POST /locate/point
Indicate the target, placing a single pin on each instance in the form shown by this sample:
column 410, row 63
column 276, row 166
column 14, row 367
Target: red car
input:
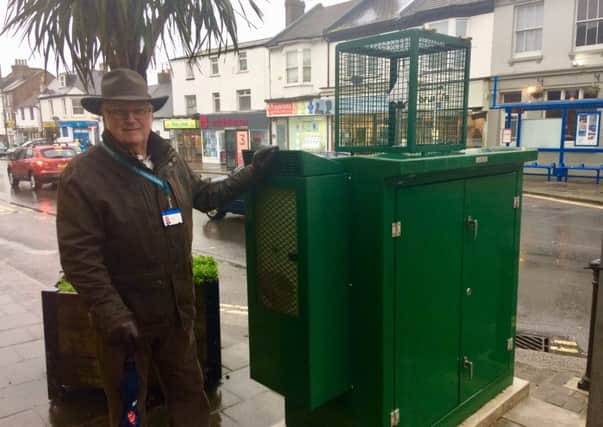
column 39, row 164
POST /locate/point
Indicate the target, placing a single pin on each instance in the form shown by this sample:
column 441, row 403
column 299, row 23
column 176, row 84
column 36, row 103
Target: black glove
column 126, row 334
column 262, row 160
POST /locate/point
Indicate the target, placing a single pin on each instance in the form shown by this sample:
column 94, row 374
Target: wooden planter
column 70, row 340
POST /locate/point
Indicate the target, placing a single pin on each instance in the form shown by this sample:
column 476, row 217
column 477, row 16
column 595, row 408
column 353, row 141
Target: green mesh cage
column 404, row 91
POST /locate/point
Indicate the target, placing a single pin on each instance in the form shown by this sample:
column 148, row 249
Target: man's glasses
column 124, row 113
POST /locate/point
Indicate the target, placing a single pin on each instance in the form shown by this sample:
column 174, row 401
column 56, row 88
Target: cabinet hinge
column 510, row 344
column 396, row 229
column 394, row 418
column 516, row 202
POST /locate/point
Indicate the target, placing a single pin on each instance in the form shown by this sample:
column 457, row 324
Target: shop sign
column 242, row 144
column 507, row 136
column 49, row 125
column 302, row 108
column 180, row 124
column 227, row 122
column 10, row 124
column 76, row 123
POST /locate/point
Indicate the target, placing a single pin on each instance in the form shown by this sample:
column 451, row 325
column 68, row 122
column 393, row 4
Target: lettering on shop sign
column 302, row 108
column 228, row 122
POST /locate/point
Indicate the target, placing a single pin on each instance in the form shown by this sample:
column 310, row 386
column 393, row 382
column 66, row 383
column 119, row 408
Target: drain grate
column 532, row 342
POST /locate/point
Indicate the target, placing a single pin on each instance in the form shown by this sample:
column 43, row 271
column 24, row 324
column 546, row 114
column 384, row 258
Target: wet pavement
column 558, row 240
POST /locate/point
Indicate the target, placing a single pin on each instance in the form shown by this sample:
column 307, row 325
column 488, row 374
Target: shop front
column 83, row 132
column 302, row 125
column 186, row 139
column 225, row 136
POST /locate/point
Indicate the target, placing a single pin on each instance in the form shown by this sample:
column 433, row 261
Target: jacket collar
column 159, row 150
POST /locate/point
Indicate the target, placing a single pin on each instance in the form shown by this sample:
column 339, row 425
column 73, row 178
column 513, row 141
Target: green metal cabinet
column 420, row 256
column 382, row 286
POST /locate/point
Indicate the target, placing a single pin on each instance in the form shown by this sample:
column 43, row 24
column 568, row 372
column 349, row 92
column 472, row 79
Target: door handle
column 468, row 364
column 475, row 224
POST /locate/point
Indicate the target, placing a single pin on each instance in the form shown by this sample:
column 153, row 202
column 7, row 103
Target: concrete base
column 497, row 407
column 494, row 409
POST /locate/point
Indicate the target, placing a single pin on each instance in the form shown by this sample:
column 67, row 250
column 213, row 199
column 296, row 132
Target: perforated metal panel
column 276, row 249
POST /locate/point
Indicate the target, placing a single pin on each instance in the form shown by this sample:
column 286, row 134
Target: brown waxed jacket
column 113, row 246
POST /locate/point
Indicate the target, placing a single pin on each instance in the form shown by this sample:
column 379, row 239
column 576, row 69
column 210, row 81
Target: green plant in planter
column 205, row 269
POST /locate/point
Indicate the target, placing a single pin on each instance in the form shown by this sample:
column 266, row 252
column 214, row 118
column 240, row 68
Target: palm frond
column 123, row 33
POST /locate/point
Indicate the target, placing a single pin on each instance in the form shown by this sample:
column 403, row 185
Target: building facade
column 18, row 91
column 554, row 53
column 301, row 97
column 62, row 113
column 218, row 105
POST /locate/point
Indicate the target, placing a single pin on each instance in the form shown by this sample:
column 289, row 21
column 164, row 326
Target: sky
column 12, row 48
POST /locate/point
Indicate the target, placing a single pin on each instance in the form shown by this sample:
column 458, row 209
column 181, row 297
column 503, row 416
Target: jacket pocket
column 148, row 296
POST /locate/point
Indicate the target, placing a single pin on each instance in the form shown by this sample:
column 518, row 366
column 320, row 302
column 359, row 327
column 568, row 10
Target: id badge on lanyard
column 171, row 216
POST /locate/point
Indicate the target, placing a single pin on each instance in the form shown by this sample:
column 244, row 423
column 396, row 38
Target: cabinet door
column 487, row 294
column 427, row 312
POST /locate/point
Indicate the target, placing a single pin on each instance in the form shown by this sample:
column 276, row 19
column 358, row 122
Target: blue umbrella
column 129, row 395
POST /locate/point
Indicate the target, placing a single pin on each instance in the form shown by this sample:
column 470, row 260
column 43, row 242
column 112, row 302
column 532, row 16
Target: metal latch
column 396, row 229
column 510, row 344
column 516, row 202
column 394, row 418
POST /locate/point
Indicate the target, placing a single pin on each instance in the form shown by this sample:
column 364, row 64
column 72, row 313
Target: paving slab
column 28, row 418
column 537, row 413
column 499, row 405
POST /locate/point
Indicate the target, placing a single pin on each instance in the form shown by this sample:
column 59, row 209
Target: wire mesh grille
column 276, row 240
column 375, row 92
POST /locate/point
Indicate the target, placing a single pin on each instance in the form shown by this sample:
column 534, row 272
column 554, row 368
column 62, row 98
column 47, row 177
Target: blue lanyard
column 161, row 183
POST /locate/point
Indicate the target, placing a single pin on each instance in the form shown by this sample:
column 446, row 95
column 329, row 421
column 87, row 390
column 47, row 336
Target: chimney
column 20, row 68
column 164, row 77
column 293, row 10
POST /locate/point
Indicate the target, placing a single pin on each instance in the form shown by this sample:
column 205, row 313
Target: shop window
column 215, row 68
column 589, row 23
column 509, row 97
column 191, row 104
column 307, row 65
column 242, row 61
column 190, row 72
column 77, row 107
column 292, row 75
column 553, row 95
column 244, row 99
column 216, row 101
column 528, row 27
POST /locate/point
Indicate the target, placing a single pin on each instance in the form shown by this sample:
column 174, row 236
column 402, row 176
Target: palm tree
column 122, row 33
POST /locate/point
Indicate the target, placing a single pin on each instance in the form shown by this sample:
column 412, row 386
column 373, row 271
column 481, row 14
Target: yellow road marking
column 567, row 202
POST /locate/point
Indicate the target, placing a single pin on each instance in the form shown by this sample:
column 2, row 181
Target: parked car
column 38, row 164
column 237, row 206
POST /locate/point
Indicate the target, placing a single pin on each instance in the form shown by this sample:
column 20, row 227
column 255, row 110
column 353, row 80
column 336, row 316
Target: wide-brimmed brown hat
column 122, row 84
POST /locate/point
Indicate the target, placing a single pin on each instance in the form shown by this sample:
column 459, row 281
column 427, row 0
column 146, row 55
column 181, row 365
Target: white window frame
column 64, row 106
column 76, row 106
column 243, row 60
column 215, row 96
column 62, row 80
column 293, row 67
column 189, row 71
column 301, row 67
column 587, row 21
column 533, row 28
column 31, row 113
column 50, row 101
column 214, row 66
column 243, row 93
column 22, row 113
column 306, row 53
column 190, row 106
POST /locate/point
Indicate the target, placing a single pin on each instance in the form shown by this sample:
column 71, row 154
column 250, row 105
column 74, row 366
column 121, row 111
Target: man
column 124, row 226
